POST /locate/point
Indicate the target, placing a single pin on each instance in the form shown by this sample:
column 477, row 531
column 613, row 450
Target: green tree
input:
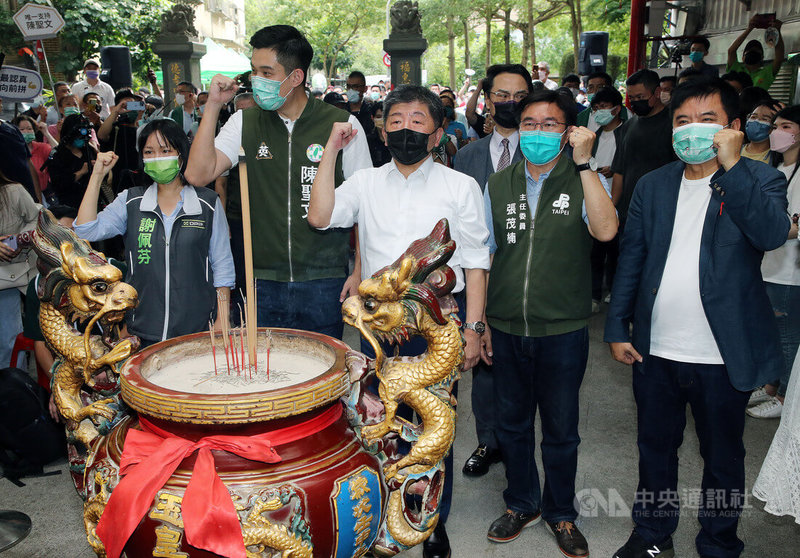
column 332, row 28
column 90, row 24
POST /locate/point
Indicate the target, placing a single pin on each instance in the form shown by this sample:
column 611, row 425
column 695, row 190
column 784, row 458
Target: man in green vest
column 300, row 271
column 542, row 213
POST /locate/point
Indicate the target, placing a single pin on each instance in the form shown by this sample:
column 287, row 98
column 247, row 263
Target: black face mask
column 505, row 114
column 753, row 57
column 407, row 146
column 641, row 107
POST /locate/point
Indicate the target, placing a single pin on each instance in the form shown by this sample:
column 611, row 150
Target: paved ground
column 606, row 475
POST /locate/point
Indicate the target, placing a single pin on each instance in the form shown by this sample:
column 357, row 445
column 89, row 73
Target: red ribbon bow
column 210, row 520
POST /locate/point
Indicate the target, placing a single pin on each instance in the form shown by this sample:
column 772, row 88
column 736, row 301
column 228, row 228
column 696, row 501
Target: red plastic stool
column 23, row 344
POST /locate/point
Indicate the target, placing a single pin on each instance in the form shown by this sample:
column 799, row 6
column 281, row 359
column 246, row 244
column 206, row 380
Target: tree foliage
column 91, row 24
column 348, row 34
column 332, row 28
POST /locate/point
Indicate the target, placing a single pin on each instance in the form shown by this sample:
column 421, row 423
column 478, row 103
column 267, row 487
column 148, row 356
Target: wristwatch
column 590, row 165
column 477, row 327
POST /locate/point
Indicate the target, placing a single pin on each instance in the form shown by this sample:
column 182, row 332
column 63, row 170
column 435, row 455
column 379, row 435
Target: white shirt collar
column 496, row 142
column 191, row 203
column 424, row 169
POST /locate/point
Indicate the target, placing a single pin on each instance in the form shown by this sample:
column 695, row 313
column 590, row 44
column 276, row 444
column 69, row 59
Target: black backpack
column 29, row 437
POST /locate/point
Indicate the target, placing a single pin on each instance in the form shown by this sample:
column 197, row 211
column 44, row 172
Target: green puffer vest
column 280, row 171
column 540, row 282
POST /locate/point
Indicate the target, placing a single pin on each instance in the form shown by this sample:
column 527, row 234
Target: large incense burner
column 187, row 448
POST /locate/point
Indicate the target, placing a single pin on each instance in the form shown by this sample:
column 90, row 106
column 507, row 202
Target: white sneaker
column 759, row 395
column 595, row 306
column 769, row 409
column 607, row 299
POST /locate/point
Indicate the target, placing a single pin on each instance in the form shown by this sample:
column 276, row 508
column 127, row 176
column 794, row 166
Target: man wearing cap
column 92, row 84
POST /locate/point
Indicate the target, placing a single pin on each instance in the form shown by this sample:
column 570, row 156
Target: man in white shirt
column 402, row 201
column 504, row 86
column 300, row 272
column 92, row 84
column 704, row 332
column 543, row 74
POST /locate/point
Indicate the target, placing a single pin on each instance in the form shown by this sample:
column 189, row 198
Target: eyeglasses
column 503, row 96
column 546, row 126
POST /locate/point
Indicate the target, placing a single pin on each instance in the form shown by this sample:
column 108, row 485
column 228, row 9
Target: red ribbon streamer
column 210, row 520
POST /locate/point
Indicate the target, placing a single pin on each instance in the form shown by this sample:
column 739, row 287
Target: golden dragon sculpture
column 410, row 297
column 262, row 535
column 78, row 285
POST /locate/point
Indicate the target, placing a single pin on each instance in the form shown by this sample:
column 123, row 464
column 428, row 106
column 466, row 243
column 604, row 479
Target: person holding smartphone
column 753, row 56
column 118, row 134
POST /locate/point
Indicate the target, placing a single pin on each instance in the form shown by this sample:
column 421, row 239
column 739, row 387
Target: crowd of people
column 677, row 216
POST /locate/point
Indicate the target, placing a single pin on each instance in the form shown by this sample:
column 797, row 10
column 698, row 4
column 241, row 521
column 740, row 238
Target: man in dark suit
column 703, row 328
column 504, row 86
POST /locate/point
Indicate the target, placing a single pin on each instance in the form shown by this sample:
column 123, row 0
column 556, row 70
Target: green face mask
column 69, row 111
column 29, row 137
column 162, row 169
column 694, row 143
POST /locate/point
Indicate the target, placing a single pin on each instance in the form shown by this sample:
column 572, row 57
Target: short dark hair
column 416, row 93
column 672, row 79
column 570, row 77
column 566, row 105
column 90, row 93
column 645, row 77
column 126, row 94
column 742, row 77
column 172, row 132
column 61, row 211
column 291, row 47
column 750, row 98
column 604, row 76
column 202, row 93
column 188, row 84
column 607, row 95
column 355, row 74
column 375, row 107
column 497, row 69
column 58, row 84
column 690, row 73
column 701, row 41
column 703, row 88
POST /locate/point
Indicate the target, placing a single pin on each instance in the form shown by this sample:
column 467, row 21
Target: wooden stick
column 250, row 301
column 213, row 345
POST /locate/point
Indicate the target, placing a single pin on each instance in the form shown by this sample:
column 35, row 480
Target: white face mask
column 542, row 75
column 180, row 98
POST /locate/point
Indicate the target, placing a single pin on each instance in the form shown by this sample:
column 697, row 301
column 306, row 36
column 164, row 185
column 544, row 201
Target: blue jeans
column 413, row 347
column 310, row 305
column 10, row 323
column 544, row 373
column 662, row 389
column 785, row 300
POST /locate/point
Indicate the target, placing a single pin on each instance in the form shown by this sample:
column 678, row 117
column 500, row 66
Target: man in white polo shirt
column 92, row 84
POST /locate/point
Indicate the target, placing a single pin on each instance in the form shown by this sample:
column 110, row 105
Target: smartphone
column 762, row 21
column 11, row 242
column 134, row 105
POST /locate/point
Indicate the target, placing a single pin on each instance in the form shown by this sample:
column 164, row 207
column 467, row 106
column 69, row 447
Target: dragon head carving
column 76, row 280
column 392, row 304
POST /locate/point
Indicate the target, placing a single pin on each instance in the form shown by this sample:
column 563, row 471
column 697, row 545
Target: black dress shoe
column 508, row 526
column 437, row 545
column 478, row 463
column 571, row 541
